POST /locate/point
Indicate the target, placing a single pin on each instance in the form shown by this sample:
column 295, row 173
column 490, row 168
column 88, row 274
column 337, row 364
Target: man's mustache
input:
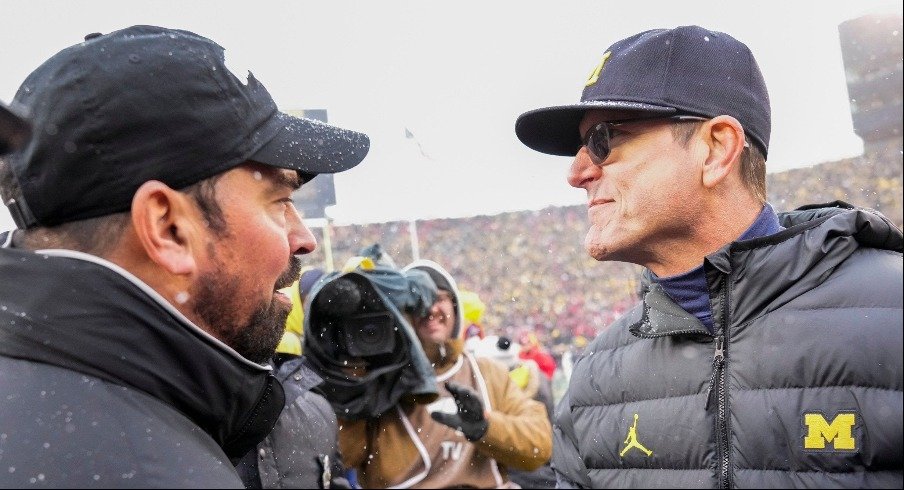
column 291, row 274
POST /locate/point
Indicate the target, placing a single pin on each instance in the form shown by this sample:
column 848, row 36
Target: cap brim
column 555, row 130
column 14, row 130
column 311, row 147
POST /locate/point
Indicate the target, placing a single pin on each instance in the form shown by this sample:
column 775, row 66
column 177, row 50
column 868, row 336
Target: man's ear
column 725, row 137
column 163, row 222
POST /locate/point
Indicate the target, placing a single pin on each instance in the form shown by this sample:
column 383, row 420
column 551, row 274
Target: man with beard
column 139, row 292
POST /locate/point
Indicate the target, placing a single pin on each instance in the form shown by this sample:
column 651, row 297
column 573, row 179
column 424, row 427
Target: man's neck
column 711, row 232
column 690, row 289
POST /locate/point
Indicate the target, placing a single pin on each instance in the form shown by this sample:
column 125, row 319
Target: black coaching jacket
column 104, row 384
column 800, row 386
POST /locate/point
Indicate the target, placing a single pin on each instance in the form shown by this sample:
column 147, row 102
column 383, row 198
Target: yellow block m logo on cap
column 595, row 74
column 839, row 432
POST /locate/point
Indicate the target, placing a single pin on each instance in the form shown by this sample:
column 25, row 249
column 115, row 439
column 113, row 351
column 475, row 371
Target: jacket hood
column 84, row 314
column 770, row 271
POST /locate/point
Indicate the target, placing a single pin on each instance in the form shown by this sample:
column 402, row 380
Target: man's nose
column 582, row 170
column 301, row 240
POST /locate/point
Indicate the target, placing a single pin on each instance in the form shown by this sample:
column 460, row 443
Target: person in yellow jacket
column 472, row 309
column 298, row 291
column 481, row 425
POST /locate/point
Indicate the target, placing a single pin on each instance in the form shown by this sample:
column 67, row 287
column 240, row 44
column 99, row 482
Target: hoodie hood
column 453, row 348
column 443, row 280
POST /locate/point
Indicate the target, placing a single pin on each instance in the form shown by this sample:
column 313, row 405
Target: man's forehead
column 274, row 175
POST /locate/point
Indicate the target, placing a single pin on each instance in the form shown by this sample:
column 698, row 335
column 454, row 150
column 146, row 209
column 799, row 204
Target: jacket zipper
column 718, row 363
column 724, row 445
column 718, row 386
column 717, row 383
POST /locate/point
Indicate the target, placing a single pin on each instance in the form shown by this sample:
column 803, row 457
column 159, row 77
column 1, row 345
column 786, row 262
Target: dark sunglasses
column 597, row 139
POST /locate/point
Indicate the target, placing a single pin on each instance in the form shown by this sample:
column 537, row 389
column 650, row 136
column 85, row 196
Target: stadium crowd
column 530, row 268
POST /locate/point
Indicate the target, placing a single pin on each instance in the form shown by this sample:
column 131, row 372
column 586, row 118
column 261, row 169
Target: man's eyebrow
column 286, row 179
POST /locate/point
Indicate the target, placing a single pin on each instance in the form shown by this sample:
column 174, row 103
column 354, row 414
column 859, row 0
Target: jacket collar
column 85, row 314
column 769, row 271
column 663, row 317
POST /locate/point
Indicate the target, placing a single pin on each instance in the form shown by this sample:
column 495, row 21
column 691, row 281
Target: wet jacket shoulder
column 103, row 383
column 118, row 437
column 801, row 384
column 302, row 448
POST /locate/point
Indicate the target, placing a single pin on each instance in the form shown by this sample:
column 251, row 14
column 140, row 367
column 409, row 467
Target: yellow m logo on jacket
column 839, row 432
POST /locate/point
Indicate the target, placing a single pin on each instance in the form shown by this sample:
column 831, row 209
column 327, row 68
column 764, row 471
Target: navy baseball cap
column 151, row 103
column 688, row 70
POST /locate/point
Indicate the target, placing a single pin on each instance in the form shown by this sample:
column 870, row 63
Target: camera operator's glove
column 469, row 419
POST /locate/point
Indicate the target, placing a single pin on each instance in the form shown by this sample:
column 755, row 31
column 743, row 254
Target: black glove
column 469, row 419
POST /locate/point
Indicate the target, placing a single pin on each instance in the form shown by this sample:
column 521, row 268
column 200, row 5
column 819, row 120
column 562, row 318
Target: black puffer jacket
column 801, row 386
column 104, row 384
column 302, row 450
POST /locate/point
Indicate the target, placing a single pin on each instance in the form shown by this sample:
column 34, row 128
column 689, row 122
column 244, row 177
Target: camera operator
column 359, row 340
column 481, row 424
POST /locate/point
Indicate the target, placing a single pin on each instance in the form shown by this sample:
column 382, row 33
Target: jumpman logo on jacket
column 631, row 441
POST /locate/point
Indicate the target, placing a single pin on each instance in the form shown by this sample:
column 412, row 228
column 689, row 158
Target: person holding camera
column 480, row 424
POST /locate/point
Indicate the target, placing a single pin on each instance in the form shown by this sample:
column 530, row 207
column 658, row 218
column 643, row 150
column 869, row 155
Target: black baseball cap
column 151, row 103
column 688, row 70
column 14, row 130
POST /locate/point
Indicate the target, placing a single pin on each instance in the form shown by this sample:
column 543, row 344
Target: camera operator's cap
column 688, row 70
column 150, row 103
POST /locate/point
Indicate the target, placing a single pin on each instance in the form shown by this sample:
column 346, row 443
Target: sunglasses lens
column 598, row 143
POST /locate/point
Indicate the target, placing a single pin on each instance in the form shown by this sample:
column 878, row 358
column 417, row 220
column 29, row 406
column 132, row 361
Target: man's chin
column 282, row 310
column 259, row 338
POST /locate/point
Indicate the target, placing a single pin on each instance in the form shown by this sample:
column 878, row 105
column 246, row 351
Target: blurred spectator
column 531, row 349
column 527, row 375
column 524, row 372
column 297, row 292
column 472, row 310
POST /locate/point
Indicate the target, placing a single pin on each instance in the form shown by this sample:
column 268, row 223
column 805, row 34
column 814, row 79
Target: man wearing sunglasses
column 767, row 349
